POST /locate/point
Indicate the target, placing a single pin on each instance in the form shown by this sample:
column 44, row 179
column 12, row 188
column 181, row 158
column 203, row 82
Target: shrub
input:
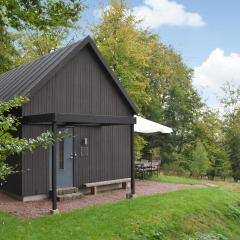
column 200, row 163
column 175, row 169
column 139, row 145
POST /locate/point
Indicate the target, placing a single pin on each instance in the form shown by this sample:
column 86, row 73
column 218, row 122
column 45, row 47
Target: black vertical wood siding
column 13, row 183
column 35, row 165
column 82, row 86
column 109, row 154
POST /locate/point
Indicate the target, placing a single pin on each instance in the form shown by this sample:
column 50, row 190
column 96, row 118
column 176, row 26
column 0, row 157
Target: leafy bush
column 10, row 143
column 156, row 153
column 233, row 212
column 175, row 169
column 211, row 236
column 150, row 232
column 139, row 145
column 200, row 163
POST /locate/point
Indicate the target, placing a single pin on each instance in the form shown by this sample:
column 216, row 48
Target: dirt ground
column 42, row 207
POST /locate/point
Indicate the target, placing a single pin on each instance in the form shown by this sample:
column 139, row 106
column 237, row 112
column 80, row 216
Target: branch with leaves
column 10, row 144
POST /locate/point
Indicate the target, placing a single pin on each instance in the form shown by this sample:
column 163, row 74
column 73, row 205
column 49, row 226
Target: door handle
column 72, row 155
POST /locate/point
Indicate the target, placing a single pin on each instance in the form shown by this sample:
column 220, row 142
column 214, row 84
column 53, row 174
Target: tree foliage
column 8, row 53
column 39, row 14
column 174, row 102
column 33, row 44
column 200, row 163
column 153, row 74
column 10, row 143
column 160, row 84
column 125, row 49
column 231, row 105
column 139, row 145
column 31, row 29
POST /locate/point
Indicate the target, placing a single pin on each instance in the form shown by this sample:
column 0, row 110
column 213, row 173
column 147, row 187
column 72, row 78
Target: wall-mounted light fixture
column 85, row 141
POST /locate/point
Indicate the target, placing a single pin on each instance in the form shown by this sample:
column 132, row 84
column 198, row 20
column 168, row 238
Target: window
column 61, row 155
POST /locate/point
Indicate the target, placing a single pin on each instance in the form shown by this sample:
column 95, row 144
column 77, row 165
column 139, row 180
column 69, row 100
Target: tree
column 231, row 105
column 232, row 130
column 173, row 102
column 208, row 129
column 36, row 27
column 10, row 144
column 200, row 162
column 8, row 53
column 39, row 14
column 139, row 145
column 33, row 44
column 222, row 166
column 154, row 75
column 125, row 49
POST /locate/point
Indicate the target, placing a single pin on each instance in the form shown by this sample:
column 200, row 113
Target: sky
column 205, row 32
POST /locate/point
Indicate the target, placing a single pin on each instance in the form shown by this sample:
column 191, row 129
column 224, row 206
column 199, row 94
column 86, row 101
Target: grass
column 229, row 184
column 174, row 179
column 207, row 213
column 226, row 184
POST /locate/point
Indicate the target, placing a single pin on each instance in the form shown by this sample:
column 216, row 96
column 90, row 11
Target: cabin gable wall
column 82, row 86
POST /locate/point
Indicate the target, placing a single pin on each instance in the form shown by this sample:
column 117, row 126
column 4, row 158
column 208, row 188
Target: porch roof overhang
column 78, row 119
column 56, row 119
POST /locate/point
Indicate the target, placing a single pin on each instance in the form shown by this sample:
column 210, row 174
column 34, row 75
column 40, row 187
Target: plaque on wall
column 84, row 151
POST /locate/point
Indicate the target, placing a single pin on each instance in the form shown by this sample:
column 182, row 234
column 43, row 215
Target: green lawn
column 229, row 184
column 175, row 215
column 174, row 179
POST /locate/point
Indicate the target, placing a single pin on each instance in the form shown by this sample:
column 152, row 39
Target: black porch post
column 54, row 171
column 132, row 161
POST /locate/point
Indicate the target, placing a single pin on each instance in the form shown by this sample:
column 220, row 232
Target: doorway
column 65, row 158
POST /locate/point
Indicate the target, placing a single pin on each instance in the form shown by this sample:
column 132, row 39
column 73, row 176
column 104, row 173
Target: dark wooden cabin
column 72, row 89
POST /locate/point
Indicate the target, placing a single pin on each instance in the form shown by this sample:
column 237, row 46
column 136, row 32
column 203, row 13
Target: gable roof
column 30, row 77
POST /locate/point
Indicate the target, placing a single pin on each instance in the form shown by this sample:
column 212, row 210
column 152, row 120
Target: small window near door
column 61, row 155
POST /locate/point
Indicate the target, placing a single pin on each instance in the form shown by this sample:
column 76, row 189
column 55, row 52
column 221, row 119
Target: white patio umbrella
column 146, row 126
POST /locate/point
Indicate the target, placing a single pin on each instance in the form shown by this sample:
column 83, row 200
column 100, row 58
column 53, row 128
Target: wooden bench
column 94, row 185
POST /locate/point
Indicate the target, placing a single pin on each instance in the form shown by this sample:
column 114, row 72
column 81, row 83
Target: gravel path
column 39, row 208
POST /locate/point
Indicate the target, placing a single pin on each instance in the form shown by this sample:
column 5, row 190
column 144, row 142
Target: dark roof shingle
column 20, row 81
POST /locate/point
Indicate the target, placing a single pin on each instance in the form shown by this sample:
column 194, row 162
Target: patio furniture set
column 145, row 167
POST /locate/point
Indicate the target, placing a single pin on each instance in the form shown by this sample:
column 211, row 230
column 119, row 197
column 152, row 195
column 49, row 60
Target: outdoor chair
column 155, row 166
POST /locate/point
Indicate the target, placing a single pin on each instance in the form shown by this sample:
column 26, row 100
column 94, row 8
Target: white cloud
column 156, row 13
column 215, row 71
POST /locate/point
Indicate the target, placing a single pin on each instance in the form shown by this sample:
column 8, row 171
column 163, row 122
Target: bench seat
column 94, row 185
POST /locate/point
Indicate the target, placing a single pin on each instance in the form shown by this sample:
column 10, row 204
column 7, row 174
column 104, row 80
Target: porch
column 57, row 121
